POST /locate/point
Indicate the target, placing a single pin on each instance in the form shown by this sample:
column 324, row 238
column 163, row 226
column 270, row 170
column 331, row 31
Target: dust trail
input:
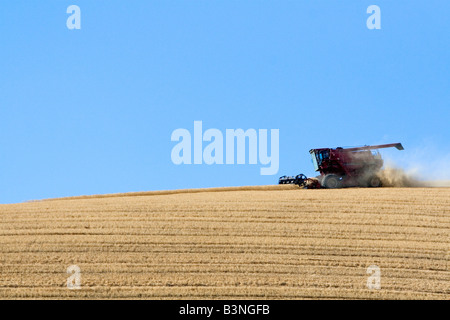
column 426, row 165
column 437, row 183
column 396, row 177
column 392, row 176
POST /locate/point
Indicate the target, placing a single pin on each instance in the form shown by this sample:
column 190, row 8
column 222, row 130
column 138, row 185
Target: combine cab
column 344, row 167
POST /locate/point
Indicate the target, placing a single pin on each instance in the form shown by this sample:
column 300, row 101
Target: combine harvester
column 343, row 167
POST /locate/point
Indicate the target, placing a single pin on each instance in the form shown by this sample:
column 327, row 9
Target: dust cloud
column 392, row 176
column 396, row 177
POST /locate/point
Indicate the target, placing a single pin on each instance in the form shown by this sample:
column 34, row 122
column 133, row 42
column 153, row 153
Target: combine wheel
column 299, row 179
column 332, row 181
column 374, row 182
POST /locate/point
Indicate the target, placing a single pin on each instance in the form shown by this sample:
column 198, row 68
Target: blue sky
column 91, row 111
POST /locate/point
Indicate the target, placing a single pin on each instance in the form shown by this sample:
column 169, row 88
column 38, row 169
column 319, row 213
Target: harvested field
column 272, row 242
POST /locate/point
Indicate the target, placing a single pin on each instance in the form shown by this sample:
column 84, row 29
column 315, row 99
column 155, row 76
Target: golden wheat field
column 272, row 242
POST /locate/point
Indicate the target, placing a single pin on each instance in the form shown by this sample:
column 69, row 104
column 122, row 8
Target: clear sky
column 91, row 111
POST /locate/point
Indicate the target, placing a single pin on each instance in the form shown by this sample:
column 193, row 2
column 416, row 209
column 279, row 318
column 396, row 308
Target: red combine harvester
column 343, row 167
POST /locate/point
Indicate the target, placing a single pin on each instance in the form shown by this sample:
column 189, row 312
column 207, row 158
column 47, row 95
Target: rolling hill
column 262, row 242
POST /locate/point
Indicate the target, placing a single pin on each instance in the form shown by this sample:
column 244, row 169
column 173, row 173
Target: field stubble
column 273, row 242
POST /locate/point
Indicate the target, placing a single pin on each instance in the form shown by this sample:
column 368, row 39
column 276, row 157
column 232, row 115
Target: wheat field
column 269, row 242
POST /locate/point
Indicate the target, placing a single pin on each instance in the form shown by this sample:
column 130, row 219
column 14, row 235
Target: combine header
column 343, row 167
